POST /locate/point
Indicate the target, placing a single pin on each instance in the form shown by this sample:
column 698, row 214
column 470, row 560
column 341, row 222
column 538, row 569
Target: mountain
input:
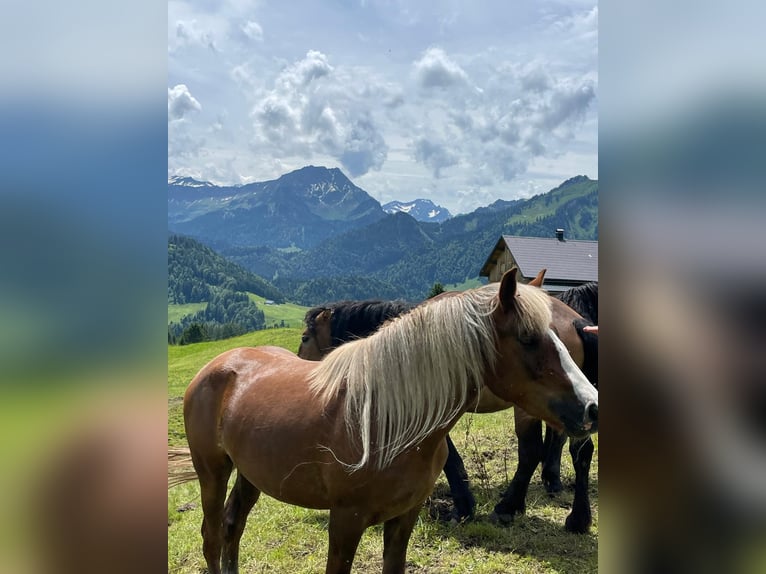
column 297, row 210
column 180, row 181
column 420, row 209
column 403, row 258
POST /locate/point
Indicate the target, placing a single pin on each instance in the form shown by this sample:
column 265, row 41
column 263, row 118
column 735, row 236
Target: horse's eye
column 529, row 340
column 305, row 338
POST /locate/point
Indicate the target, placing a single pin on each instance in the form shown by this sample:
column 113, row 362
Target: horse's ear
column 325, row 315
column 507, row 289
column 538, row 281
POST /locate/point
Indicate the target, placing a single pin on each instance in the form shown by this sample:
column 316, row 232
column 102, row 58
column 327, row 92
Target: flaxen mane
column 416, row 373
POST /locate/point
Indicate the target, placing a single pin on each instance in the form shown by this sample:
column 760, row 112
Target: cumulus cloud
column 181, row 102
column 364, row 148
column 525, row 112
column 436, row 70
column 300, row 74
column 568, row 102
column 315, row 109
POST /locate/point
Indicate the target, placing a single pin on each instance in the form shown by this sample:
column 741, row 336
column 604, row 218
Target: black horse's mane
column 357, row 319
column 583, row 299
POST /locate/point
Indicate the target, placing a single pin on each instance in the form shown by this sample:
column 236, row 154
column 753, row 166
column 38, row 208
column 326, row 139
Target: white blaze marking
column 584, row 391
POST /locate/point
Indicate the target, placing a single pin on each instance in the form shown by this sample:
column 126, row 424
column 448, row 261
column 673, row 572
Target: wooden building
column 569, row 263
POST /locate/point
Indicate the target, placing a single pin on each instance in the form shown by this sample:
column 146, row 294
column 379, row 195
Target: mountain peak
column 186, row 181
column 575, row 179
column 420, row 209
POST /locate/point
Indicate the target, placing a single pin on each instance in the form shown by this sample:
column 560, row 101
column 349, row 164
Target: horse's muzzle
column 578, row 422
column 591, row 418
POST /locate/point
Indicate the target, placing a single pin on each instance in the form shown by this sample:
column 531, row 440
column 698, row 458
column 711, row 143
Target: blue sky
column 459, row 102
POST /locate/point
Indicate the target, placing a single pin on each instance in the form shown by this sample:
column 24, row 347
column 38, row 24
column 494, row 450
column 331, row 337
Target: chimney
column 560, row 234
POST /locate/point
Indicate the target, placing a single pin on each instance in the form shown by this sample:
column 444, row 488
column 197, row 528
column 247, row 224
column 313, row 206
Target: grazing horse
column 362, row 433
column 332, row 325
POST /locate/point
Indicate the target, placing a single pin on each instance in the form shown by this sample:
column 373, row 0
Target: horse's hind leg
column 241, row 501
column 457, row 477
column 551, row 472
column 580, row 519
column 396, row 538
column 213, row 479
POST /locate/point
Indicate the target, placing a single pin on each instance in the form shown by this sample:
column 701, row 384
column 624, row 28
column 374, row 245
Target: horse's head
column 534, row 368
column 316, row 340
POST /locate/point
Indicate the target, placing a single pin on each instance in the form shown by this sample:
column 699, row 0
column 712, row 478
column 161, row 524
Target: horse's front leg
column 346, row 528
column 457, row 477
column 396, row 538
column 580, row 519
column 530, row 448
column 551, row 472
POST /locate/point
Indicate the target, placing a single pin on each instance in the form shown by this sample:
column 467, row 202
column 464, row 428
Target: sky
column 460, row 102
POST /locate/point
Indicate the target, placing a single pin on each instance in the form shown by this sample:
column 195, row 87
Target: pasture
column 291, row 314
column 285, row 539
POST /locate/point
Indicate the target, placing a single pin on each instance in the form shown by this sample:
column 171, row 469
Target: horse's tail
column 180, row 468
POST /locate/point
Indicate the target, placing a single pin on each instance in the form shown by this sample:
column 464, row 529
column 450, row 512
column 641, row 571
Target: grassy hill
column 276, row 313
column 290, row 313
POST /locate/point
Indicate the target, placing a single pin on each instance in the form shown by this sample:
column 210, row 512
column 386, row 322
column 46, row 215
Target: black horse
column 334, row 324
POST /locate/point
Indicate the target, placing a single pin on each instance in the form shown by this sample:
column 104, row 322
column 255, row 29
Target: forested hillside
column 197, row 274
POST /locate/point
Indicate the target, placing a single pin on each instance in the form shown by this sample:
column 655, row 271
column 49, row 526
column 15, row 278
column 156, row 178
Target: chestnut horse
column 532, row 450
column 362, row 433
column 332, row 325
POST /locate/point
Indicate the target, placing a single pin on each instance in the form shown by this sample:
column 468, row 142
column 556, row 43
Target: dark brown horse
column 362, row 433
column 330, row 326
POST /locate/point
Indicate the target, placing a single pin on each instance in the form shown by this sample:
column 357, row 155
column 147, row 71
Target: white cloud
column 435, row 99
column 253, row 30
column 435, row 70
column 188, row 32
column 300, row 74
column 181, row 102
column 314, row 109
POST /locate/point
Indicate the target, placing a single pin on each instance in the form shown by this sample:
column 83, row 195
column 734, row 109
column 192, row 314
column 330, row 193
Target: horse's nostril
column 592, row 412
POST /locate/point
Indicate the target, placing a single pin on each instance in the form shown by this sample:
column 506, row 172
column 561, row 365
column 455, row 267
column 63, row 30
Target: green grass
column 280, row 538
column 178, row 312
column 290, row 313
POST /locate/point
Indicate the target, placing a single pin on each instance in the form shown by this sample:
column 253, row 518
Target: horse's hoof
column 501, row 518
column 460, row 518
column 463, row 509
column 552, row 486
column 577, row 525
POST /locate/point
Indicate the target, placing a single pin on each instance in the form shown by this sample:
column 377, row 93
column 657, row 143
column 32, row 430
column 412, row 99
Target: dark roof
column 568, row 260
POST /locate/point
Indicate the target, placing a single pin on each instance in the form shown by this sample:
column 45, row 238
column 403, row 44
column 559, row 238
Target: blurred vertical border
column 83, row 168
column 682, row 150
